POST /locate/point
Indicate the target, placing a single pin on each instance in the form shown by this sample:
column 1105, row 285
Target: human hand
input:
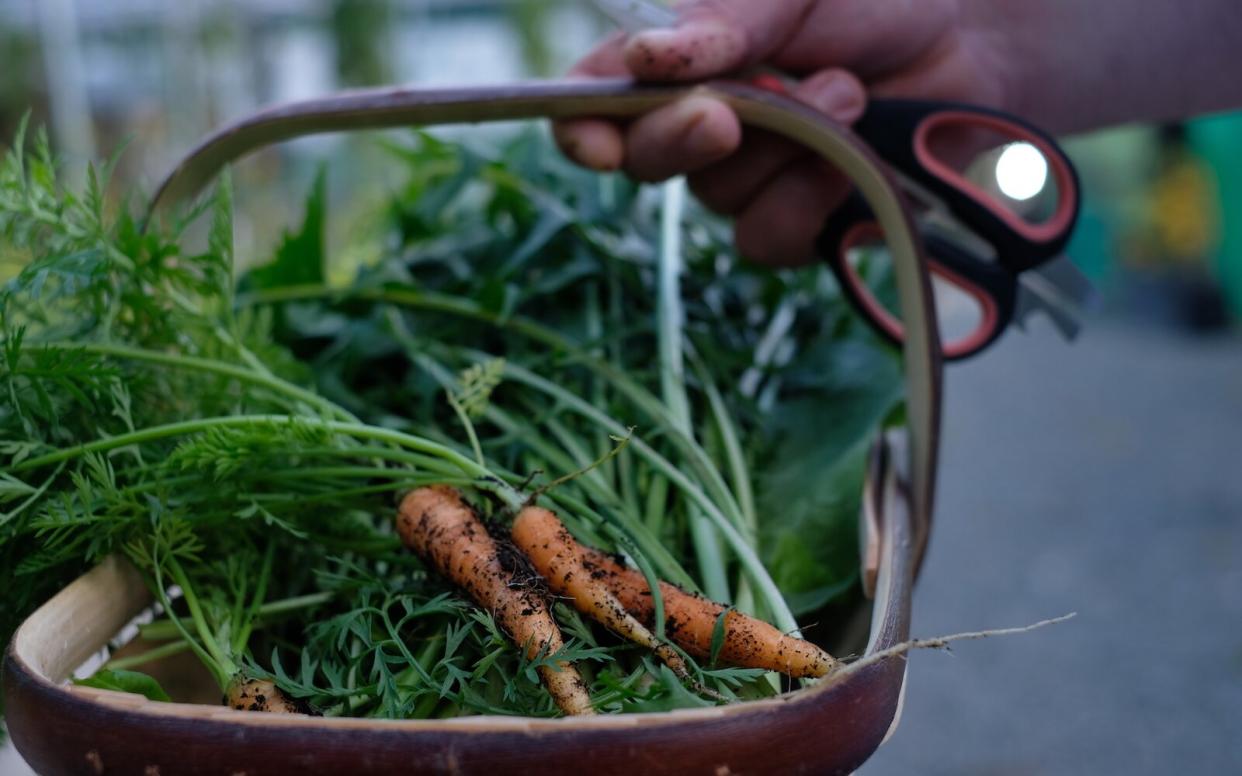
column 843, row 50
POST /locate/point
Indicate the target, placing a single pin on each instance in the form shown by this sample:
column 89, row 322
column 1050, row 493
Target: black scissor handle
column 900, row 131
column 993, row 288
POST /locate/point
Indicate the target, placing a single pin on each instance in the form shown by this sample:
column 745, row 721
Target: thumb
column 714, row 37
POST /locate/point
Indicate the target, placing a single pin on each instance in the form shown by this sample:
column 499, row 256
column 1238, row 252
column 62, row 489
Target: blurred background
column 1099, row 477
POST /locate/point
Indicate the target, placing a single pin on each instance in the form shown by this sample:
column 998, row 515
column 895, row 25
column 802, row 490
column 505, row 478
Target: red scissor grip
column 1067, row 190
column 980, row 335
column 769, row 82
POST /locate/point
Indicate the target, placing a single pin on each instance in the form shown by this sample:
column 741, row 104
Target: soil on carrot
column 263, row 695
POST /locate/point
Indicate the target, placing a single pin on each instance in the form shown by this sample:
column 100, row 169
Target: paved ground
column 1104, row 478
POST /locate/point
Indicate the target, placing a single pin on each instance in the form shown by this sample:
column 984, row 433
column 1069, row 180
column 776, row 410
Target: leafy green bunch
column 526, row 331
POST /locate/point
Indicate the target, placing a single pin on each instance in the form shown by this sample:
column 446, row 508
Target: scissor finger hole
column 1007, row 169
column 966, row 315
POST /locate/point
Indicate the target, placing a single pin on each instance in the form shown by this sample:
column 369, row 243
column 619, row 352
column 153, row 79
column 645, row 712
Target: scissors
column 983, row 256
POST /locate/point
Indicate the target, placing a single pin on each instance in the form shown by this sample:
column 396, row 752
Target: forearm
column 1081, row 64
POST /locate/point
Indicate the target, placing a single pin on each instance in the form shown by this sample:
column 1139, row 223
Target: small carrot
column 690, row 621
column 437, row 524
column 553, row 551
column 261, row 695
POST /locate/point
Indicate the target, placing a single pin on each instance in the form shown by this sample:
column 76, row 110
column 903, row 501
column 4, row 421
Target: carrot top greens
column 525, row 329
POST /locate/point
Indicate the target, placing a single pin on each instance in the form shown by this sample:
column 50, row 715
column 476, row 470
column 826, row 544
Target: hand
column 778, row 194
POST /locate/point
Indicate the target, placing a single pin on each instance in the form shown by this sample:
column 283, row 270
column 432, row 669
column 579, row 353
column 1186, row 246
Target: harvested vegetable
column 446, row 532
column 261, row 695
column 692, row 622
column 242, row 437
column 554, row 554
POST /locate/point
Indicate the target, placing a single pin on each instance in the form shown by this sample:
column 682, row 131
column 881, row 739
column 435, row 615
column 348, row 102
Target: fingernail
column 700, row 141
column 836, row 95
column 590, row 144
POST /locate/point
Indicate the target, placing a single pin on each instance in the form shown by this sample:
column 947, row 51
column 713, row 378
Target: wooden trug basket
column 832, row 727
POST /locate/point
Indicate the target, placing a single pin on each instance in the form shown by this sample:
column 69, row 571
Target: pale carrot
column 690, row 622
column 437, row 524
column 553, row 551
column 261, row 695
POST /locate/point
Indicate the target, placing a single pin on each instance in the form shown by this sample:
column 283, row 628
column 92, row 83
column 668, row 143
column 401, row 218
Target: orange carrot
column 446, row 533
column 553, row 551
column 690, row 621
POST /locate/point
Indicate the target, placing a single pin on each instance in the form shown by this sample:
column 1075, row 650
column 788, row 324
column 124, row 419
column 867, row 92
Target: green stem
column 653, row 586
column 631, row 522
column 526, row 327
column 264, row 378
column 161, row 630
column 260, row 592
column 469, row 427
column 594, row 325
column 739, row 471
column 356, row 430
column 157, row 653
column 647, row 542
column 657, row 502
column 580, row 458
column 737, row 542
column 156, row 584
column 423, row 659
column 225, row 667
column 671, row 321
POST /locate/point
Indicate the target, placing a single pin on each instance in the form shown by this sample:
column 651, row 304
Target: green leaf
column 718, row 637
column 12, row 488
column 126, row 681
column 220, row 237
column 300, row 257
column 809, row 493
column 475, row 385
column 537, row 239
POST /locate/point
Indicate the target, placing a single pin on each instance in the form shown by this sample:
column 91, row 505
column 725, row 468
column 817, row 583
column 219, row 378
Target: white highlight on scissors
column 1021, row 171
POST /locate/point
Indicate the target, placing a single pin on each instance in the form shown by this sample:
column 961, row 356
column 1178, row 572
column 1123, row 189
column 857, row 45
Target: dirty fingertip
column 698, row 49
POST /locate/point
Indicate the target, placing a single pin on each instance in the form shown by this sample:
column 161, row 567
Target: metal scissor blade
column 636, row 15
column 1060, row 290
column 1068, row 280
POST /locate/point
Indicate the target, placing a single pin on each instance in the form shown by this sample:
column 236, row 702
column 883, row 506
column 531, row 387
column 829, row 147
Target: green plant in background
column 243, row 443
column 531, row 22
column 362, row 32
column 23, row 77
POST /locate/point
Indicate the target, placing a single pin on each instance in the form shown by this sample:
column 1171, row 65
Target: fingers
column 695, row 132
column 681, row 137
column 606, row 59
column 727, row 187
column 781, row 194
column 835, row 92
column 594, row 143
column 714, row 37
column 779, row 227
